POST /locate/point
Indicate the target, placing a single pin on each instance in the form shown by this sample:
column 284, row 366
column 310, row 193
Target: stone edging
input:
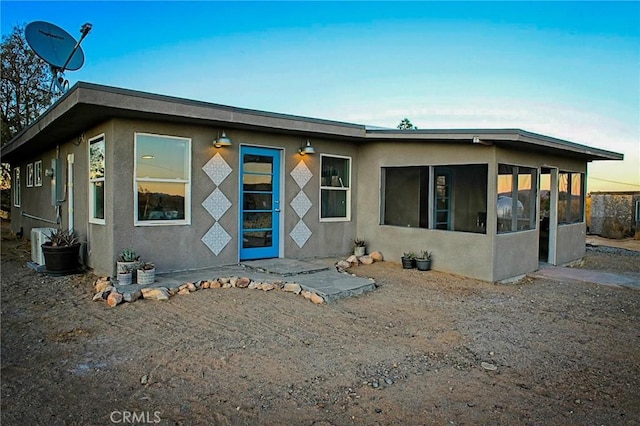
column 105, row 290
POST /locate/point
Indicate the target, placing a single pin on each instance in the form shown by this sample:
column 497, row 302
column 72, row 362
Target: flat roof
column 87, row 104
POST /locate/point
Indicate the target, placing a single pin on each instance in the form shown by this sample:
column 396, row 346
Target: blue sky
column 564, row 69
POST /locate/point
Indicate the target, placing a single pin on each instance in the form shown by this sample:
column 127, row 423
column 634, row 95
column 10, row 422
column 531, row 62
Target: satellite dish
column 57, row 47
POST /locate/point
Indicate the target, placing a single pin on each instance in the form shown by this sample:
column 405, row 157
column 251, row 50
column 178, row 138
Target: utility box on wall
column 57, row 182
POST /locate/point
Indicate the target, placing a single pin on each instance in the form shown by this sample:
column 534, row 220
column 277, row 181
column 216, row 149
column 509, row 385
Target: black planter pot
column 408, row 263
column 61, row 260
column 423, row 264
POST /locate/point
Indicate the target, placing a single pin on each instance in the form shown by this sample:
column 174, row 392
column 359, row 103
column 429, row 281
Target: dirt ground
column 411, row 352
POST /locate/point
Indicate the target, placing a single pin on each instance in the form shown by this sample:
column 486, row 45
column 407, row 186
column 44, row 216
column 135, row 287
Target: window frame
column 92, row 181
column 37, row 172
column 567, row 220
column 447, row 173
column 516, row 172
column 187, row 183
column 423, row 172
column 30, row 175
column 347, row 190
column 15, row 184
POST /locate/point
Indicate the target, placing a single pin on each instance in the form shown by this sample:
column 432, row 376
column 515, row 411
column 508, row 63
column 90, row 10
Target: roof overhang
column 507, row 138
column 86, row 105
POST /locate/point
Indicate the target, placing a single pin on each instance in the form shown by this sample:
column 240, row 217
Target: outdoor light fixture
column 222, row 141
column 479, row 141
column 307, row 149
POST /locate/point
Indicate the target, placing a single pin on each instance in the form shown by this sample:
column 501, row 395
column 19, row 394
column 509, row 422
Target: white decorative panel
column 216, row 238
column 216, row 204
column 301, row 174
column 217, row 169
column 301, row 204
column 300, row 233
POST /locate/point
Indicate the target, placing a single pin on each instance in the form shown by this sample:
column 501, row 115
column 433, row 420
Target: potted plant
column 125, row 277
column 61, row 252
column 146, row 273
column 128, row 261
column 409, row 260
column 359, row 247
column 423, row 262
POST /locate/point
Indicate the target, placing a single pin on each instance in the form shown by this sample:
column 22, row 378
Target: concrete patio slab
column 314, row 276
column 561, row 273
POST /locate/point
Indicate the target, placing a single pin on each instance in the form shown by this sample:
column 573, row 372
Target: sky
column 570, row 70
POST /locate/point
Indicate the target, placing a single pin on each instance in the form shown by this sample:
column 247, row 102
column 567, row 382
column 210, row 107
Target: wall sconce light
column 222, row 140
column 307, row 149
column 479, row 141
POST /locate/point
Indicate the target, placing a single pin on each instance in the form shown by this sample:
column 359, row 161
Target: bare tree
column 24, row 84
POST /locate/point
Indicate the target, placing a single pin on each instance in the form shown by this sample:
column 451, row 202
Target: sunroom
column 490, row 210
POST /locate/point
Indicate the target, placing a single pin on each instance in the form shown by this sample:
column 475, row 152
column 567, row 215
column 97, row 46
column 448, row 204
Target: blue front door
column 259, row 203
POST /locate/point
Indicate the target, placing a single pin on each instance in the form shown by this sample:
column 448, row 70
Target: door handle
column 277, row 210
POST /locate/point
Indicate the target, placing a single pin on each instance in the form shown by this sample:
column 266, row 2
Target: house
column 615, row 214
column 192, row 184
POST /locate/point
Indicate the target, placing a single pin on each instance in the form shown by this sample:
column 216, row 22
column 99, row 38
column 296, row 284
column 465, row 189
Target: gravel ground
column 424, row 348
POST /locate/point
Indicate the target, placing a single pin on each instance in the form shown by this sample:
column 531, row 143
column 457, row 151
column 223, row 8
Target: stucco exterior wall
column 516, row 253
column 570, row 239
column 485, row 256
column 463, row 253
column 570, row 242
column 36, row 200
column 176, row 247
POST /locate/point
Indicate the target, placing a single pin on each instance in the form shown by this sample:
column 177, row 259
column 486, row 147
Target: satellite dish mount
column 57, row 48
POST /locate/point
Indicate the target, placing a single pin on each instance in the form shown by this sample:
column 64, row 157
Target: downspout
column 70, row 159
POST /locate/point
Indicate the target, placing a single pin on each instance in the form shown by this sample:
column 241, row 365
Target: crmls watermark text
column 137, row 417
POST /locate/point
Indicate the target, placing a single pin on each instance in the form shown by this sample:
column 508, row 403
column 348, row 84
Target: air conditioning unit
column 39, row 236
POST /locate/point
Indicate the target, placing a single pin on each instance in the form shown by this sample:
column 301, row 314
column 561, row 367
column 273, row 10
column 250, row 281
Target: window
column 17, row 194
column 570, row 197
column 30, row 175
column 335, row 188
column 405, row 196
column 442, row 200
column 162, row 180
column 516, row 204
column 96, row 179
column 38, row 172
column 459, row 200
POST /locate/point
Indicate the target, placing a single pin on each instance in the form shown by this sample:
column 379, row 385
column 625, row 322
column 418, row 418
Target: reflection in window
column 516, row 204
column 257, row 202
column 163, row 179
column 570, row 197
column 96, row 179
column 335, row 188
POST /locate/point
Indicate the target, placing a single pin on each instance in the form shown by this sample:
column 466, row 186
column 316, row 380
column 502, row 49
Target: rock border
column 104, row 288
